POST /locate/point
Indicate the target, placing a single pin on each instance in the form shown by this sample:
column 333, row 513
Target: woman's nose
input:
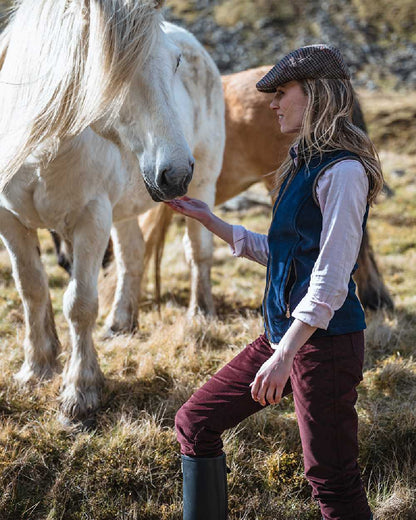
column 274, row 104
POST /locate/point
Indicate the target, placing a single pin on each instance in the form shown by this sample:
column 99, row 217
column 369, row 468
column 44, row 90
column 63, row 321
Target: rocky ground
column 378, row 41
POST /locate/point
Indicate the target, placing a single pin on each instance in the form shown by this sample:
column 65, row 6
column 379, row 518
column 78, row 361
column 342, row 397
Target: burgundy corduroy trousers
column 323, row 380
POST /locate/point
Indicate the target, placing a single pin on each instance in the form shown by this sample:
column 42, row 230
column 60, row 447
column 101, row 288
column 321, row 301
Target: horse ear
column 159, row 4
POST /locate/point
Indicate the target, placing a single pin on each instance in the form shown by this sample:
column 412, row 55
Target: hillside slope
column 378, row 39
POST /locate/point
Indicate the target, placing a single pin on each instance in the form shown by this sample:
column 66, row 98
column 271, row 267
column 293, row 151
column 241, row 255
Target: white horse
column 95, row 111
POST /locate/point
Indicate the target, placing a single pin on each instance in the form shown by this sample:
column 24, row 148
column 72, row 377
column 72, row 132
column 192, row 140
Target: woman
column 313, row 342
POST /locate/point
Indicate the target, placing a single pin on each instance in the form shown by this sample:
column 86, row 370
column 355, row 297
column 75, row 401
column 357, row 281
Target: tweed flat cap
column 310, row 62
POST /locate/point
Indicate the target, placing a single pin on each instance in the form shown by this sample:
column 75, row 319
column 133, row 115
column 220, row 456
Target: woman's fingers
column 271, row 396
column 192, row 208
column 261, row 395
column 255, row 385
column 264, row 391
column 271, row 378
column 179, row 205
column 268, row 394
column 174, row 205
column 258, row 390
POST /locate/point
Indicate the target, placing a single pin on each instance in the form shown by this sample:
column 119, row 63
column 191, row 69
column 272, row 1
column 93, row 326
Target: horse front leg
column 82, row 378
column 41, row 343
column 129, row 246
column 198, row 244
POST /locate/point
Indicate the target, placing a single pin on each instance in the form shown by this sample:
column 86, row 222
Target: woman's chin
column 286, row 130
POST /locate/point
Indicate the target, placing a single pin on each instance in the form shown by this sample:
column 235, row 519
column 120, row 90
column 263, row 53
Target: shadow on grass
column 224, row 308
column 134, row 396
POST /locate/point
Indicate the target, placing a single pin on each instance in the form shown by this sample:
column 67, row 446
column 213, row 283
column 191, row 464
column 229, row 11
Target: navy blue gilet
column 293, row 240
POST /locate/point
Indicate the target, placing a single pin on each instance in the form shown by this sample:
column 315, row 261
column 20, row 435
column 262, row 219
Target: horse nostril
column 168, row 178
column 163, row 177
column 184, row 184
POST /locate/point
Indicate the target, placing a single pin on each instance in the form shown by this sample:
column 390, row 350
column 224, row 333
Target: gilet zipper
column 266, row 316
column 287, row 302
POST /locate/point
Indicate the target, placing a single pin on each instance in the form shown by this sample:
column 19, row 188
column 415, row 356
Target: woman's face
column 290, row 103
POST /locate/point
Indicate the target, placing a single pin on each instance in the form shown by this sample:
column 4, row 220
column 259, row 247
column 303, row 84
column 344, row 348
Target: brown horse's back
column 254, row 145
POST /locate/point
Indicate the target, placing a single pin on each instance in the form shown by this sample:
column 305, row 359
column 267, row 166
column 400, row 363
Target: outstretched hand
column 189, row 207
column 200, row 211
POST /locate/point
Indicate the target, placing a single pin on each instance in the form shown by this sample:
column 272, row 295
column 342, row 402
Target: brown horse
column 254, row 149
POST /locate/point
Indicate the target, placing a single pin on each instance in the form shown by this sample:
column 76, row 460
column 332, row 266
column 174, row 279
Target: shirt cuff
column 239, row 238
column 314, row 313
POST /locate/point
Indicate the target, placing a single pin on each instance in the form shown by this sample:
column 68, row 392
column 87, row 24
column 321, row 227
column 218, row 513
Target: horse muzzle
column 170, row 183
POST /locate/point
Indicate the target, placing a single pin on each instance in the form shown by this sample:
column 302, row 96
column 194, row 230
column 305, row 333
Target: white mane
column 4, row 39
column 68, row 62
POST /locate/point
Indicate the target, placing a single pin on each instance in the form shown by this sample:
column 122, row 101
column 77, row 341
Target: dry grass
column 129, row 467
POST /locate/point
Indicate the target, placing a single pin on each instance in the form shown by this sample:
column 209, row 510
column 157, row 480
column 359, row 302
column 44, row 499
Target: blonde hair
column 327, row 126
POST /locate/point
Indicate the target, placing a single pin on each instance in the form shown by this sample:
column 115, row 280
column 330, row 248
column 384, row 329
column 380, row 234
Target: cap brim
column 268, row 82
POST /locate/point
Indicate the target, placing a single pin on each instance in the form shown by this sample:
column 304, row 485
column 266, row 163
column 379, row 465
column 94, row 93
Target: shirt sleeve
column 342, row 195
column 248, row 244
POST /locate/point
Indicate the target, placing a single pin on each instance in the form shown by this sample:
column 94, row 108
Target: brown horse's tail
column 371, row 288
column 154, row 225
column 372, row 292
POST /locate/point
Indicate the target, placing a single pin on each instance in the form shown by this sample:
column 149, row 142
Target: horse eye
column 178, row 61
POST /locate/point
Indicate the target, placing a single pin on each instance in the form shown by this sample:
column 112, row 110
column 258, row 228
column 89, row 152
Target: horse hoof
column 110, row 333
column 28, row 374
column 118, row 330
column 201, row 309
column 75, row 426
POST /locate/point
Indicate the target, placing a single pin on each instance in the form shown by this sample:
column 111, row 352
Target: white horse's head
column 148, row 123
column 73, row 63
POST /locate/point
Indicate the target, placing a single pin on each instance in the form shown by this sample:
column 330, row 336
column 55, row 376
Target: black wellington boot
column 204, row 488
